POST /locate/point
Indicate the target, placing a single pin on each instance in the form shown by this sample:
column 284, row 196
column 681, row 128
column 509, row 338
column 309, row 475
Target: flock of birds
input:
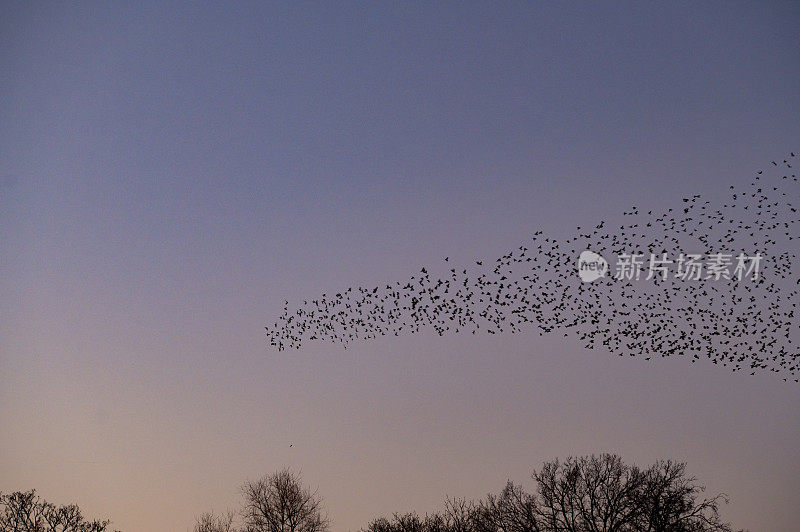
column 744, row 324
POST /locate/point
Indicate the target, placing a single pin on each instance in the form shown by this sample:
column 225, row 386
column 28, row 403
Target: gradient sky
column 170, row 173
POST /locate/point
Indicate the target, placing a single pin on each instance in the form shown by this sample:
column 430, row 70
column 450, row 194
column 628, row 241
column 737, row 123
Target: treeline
column 586, row 494
column 583, row 494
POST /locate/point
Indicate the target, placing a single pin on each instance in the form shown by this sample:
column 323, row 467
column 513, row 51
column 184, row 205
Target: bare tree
column 410, row 522
column 602, row 494
column 460, row 515
column 585, row 494
column 588, row 493
column 280, row 503
column 27, row 512
column 514, row 510
column 210, row 522
column 669, row 501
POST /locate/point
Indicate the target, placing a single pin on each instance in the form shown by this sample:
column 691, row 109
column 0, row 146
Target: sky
column 170, row 173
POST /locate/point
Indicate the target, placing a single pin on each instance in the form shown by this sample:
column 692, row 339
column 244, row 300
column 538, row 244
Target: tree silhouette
column 280, row 503
column 210, row 522
column 583, row 494
column 669, row 500
column 27, row 512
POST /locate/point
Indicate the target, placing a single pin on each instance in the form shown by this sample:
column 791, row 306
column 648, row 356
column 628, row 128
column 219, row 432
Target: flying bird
column 745, row 324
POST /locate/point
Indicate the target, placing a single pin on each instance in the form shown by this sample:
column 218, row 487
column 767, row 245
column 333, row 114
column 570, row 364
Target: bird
column 739, row 322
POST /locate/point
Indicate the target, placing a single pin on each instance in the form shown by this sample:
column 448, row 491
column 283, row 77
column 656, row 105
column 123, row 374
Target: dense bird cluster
column 746, row 323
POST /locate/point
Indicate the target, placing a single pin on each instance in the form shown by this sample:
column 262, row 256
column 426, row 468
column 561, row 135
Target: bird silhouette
column 737, row 319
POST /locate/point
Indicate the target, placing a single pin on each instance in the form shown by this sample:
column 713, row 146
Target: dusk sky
column 170, row 173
